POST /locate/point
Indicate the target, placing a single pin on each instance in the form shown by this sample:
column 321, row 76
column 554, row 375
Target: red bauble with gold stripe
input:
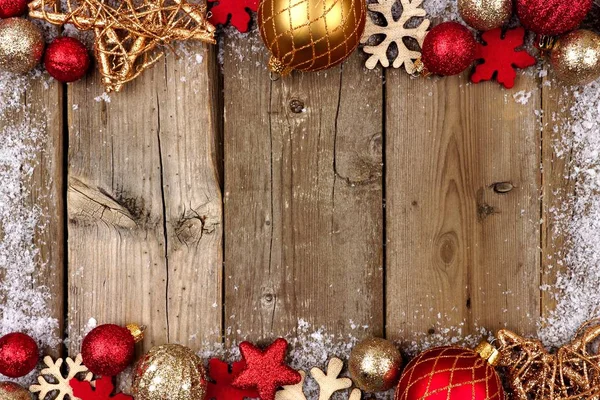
column 444, row 373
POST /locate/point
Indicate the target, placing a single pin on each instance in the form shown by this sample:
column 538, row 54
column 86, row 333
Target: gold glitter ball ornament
column 169, row 372
column 13, row 391
column 576, row 57
column 21, row 45
column 375, row 365
column 310, row 35
column 485, row 15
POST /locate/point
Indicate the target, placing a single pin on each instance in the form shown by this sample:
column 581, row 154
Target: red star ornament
column 238, row 9
column 500, row 57
column 218, row 371
column 265, row 370
column 104, row 387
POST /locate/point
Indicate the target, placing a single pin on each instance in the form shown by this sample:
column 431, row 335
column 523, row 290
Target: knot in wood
column 503, row 187
column 296, row 106
column 190, row 230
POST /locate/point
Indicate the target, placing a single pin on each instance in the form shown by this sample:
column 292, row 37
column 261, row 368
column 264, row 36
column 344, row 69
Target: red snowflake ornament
column 103, row 390
column 239, row 10
column 222, row 389
column 500, row 56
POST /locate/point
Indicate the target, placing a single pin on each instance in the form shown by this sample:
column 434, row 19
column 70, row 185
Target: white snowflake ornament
column 395, row 32
column 52, row 381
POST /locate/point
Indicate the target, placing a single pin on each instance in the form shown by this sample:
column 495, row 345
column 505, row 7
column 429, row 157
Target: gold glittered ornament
column 169, row 372
column 13, row 391
column 21, row 45
column 310, row 35
column 485, row 15
column 576, row 57
column 375, row 365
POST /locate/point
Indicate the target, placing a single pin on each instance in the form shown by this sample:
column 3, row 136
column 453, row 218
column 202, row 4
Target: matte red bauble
column 66, row 59
column 108, row 349
column 452, row 373
column 12, row 8
column 448, row 49
column 18, row 355
column 552, row 17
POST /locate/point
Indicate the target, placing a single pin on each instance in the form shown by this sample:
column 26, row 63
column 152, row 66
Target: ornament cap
column 421, row 69
column 277, row 67
column 488, row 352
column 137, row 331
column 546, row 42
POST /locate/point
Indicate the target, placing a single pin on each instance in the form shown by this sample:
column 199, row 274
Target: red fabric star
column 500, row 56
column 104, row 388
column 222, row 389
column 266, row 370
column 238, row 9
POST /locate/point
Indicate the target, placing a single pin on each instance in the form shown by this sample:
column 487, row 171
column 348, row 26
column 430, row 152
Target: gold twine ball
column 169, row 372
column 310, row 35
column 576, row 57
column 21, row 45
column 12, row 391
column 375, row 365
column 485, row 15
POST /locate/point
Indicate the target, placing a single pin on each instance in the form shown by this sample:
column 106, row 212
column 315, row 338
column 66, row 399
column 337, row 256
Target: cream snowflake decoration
column 395, row 32
column 51, row 379
column 329, row 383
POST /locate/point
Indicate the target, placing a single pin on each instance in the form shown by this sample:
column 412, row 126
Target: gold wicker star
column 127, row 35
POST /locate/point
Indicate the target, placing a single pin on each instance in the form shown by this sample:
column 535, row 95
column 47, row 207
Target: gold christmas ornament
column 375, row 365
column 172, row 372
column 21, row 45
column 310, row 35
column 576, row 57
column 485, row 15
column 13, row 391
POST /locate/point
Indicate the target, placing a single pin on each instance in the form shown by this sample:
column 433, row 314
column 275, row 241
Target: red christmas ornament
column 239, row 10
column 18, row 355
column 552, row 17
column 12, row 8
column 500, row 56
column 222, row 389
column 448, row 49
column 452, row 373
column 108, row 349
column 265, row 370
column 66, row 59
column 103, row 390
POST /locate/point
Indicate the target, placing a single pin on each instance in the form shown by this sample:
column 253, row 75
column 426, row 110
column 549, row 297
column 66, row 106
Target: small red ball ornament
column 108, row 349
column 453, row 373
column 552, row 17
column 12, row 8
column 448, row 49
column 66, row 59
column 18, row 355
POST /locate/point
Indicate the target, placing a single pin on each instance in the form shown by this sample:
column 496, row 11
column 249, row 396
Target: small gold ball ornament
column 485, row 15
column 169, row 372
column 576, row 57
column 21, row 45
column 375, row 365
column 310, row 35
column 13, row 391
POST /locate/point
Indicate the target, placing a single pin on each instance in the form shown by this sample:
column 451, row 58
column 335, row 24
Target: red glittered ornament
column 12, row 8
column 449, row 373
column 552, row 17
column 18, row 355
column 66, row 59
column 448, row 49
column 108, row 349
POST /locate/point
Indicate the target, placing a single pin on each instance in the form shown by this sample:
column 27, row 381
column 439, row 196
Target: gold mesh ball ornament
column 310, row 35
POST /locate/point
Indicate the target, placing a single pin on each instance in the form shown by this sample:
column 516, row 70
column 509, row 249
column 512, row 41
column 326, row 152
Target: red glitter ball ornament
column 66, row 59
column 452, row 373
column 552, row 17
column 108, row 349
column 12, row 8
column 448, row 49
column 18, row 355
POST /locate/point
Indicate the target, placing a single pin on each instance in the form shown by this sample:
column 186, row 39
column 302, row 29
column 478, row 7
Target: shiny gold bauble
column 21, row 45
column 310, row 35
column 169, row 372
column 576, row 57
column 485, row 15
column 12, row 391
column 375, row 365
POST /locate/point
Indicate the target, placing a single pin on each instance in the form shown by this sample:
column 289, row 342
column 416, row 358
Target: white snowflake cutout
column 395, row 32
column 51, row 379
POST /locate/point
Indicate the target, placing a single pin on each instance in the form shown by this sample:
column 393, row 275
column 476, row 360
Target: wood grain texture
column 303, row 198
column 459, row 253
